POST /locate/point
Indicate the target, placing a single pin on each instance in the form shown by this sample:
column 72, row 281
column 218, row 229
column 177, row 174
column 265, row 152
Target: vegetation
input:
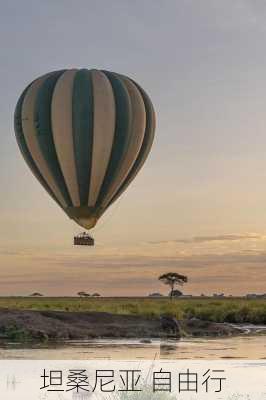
column 175, row 293
column 83, row 294
column 172, row 279
column 234, row 310
column 14, row 334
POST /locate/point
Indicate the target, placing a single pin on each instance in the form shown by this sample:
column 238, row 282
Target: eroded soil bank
column 59, row 325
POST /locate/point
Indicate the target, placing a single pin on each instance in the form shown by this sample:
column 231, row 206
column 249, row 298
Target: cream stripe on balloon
column 103, row 132
column 30, row 134
column 61, row 116
column 137, row 131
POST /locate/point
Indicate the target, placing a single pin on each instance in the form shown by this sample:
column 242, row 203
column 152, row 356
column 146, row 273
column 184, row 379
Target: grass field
column 218, row 310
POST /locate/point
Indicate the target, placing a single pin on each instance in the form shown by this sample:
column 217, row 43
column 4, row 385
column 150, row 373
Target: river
column 240, row 347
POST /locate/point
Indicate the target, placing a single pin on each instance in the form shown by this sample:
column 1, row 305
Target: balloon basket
column 83, row 239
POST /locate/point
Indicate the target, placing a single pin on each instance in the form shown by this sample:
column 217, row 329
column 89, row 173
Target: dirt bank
column 53, row 325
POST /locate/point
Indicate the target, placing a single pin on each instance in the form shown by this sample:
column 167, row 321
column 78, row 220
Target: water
column 241, row 347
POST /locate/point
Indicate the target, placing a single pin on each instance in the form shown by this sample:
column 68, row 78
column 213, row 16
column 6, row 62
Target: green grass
column 15, row 334
column 218, row 310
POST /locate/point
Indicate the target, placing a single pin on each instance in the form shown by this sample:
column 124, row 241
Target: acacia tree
column 36, row 294
column 172, row 279
column 83, row 294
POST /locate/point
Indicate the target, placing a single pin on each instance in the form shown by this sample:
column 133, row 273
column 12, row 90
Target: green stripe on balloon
column 82, row 121
column 146, row 145
column 24, row 148
column 122, row 133
column 42, row 118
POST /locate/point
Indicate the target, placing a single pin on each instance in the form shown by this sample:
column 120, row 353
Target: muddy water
column 245, row 347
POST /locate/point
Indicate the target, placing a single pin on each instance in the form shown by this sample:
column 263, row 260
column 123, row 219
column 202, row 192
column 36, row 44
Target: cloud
column 232, row 263
column 203, row 239
column 200, row 239
column 236, row 272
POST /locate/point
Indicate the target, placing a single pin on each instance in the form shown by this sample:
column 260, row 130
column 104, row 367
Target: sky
column 198, row 206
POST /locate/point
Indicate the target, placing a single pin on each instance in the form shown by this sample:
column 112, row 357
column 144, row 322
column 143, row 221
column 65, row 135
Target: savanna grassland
column 232, row 310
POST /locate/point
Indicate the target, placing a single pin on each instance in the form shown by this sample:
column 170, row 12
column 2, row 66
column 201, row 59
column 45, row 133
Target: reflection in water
column 76, row 396
column 247, row 347
column 81, row 396
column 166, row 348
column 11, row 383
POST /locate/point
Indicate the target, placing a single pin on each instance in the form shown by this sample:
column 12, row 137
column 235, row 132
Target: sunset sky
column 198, row 207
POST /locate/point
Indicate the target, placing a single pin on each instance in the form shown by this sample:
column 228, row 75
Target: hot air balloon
column 84, row 134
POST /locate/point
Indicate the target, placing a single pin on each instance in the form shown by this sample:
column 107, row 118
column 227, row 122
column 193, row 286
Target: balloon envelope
column 84, row 134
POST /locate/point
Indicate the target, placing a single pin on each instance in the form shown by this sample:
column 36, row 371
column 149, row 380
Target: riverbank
column 52, row 326
column 228, row 309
